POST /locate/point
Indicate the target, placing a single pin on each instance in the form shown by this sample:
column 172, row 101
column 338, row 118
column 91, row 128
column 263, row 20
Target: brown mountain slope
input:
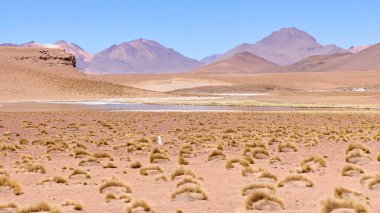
column 46, row 74
column 242, row 63
column 284, row 47
column 367, row 59
column 140, row 56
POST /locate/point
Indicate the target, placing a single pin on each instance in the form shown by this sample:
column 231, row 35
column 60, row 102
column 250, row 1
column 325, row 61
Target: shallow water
column 45, row 106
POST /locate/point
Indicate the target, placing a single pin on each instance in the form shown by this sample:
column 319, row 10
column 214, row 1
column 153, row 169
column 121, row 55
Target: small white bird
column 159, row 140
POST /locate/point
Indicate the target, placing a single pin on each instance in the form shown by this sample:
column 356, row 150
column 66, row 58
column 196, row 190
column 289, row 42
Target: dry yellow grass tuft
column 374, row 182
column 190, row 189
column 286, row 147
column 114, row 182
column 316, row 159
column 186, row 181
column 216, row 154
column 135, row 165
column 347, row 170
column 229, row 162
column 258, row 186
column 79, row 172
column 309, row 183
column 330, row 204
column 181, row 171
column 56, row 179
column 139, row 204
column 11, row 184
column 40, row 207
column 358, row 146
column 157, row 156
column 182, row 160
column 261, row 195
column 76, row 205
column 151, row 169
column 11, row 205
column 259, row 153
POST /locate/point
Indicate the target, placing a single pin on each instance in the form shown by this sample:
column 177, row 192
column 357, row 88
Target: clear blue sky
column 196, row 28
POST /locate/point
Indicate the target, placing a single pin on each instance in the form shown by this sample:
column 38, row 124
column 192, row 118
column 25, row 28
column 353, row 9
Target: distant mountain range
column 285, row 47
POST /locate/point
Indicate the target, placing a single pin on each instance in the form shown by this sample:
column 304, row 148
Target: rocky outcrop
column 52, row 58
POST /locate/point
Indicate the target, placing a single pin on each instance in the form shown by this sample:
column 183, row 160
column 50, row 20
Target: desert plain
column 302, row 141
column 215, row 162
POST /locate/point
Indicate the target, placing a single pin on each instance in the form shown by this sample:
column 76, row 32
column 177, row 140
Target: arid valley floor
column 299, row 138
column 203, row 162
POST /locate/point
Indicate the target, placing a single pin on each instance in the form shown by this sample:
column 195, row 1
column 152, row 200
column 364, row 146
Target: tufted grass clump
column 261, row 195
column 78, row 152
column 358, row 146
column 56, row 179
column 345, row 171
column 229, row 163
column 114, row 182
column 284, row 146
column 40, row 207
column 135, row 165
column 258, row 186
column 11, row 184
column 182, row 160
column 76, row 205
column 215, row 154
column 309, row 183
column 373, row 182
column 79, row 172
column 259, row 153
column 157, row 155
column 138, row 204
column 145, row 170
column 190, row 189
column 328, row 205
column 11, row 205
column 316, row 159
column 181, row 171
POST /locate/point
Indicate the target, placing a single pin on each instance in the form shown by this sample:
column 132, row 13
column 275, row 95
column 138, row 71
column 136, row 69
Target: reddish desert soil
column 54, row 139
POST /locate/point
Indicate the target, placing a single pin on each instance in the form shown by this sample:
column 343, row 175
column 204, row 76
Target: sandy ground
column 54, row 139
column 295, row 81
column 324, row 88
